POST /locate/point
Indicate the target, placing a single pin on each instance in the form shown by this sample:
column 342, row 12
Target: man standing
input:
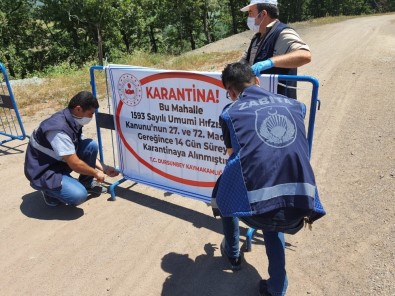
column 268, row 181
column 57, row 147
column 275, row 48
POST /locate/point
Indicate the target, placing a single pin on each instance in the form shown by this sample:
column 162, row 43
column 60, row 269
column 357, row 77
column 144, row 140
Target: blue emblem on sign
column 275, row 126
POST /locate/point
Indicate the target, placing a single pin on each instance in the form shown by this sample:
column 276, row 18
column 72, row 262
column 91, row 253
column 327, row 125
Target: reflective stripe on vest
column 267, row 193
column 43, row 149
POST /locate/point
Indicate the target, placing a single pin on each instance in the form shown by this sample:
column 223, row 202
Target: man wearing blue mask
column 57, row 147
column 275, row 48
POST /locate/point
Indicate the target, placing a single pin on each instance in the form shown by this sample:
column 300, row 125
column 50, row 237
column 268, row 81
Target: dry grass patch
column 53, row 93
column 190, row 62
column 211, row 62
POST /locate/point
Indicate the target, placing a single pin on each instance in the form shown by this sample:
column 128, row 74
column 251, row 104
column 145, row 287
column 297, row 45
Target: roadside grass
column 331, row 19
column 324, row 20
column 53, row 93
column 190, row 62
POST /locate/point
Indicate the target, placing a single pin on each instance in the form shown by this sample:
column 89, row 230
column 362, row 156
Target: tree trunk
column 154, row 46
column 233, row 13
column 126, row 40
column 192, row 40
column 206, row 27
column 9, row 65
column 99, row 45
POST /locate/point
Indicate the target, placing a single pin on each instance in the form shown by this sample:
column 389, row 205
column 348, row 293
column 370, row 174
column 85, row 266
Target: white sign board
column 167, row 127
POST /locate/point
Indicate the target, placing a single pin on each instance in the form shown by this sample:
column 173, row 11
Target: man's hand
column 257, row 68
column 110, row 171
column 99, row 176
column 80, row 167
column 106, row 169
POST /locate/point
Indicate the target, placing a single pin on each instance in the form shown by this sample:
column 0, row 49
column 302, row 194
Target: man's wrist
column 105, row 167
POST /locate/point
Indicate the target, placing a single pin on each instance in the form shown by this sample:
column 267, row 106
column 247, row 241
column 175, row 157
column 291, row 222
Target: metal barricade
column 11, row 126
column 312, row 106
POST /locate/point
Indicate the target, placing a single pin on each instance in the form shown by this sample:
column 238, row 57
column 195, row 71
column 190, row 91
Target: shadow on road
column 207, row 275
column 33, row 206
column 199, row 220
column 8, row 150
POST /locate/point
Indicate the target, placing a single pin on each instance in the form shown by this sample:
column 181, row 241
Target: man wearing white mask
column 275, row 48
column 57, row 147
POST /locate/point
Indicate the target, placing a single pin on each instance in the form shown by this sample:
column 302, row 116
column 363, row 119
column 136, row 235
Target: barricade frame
column 315, row 105
column 8, row 101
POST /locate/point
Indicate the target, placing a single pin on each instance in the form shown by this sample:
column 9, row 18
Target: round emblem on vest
column 129, row 90
column 275, row 126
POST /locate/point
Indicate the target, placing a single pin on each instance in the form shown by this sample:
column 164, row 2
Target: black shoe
column 263, row 288
column 95, row 188
column 50, row 201
column 235, row 263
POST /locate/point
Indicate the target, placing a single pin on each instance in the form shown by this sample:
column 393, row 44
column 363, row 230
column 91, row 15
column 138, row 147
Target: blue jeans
column 73, row 192
column 275, row 251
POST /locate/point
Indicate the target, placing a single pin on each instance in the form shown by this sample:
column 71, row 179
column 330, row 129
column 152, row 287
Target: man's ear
column 77, row 111
column 232, row 92
column 257, row 81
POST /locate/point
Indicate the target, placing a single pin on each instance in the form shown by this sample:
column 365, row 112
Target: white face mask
column 251, row 23
column 83, row 120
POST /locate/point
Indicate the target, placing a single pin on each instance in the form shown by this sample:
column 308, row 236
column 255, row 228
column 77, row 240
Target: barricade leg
column 249, row 236
column 111, row 189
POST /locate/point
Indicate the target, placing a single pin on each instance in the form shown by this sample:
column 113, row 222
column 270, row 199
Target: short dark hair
column 85, row 99
column 272, row 10
column 237, row 75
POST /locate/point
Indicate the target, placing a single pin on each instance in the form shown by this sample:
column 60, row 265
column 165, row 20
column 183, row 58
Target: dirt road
column 149, row 242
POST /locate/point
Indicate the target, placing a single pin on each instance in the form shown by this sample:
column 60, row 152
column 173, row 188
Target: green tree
column 19, row 36
column 37, row 34
column 79, row 26
column 130, row 24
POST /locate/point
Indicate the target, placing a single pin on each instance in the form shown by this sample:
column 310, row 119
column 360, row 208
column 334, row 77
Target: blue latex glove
column 257, row 68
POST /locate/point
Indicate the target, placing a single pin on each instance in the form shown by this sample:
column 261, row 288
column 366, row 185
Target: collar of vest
column 70, row 120
column 253, row 89
column 268, row 29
